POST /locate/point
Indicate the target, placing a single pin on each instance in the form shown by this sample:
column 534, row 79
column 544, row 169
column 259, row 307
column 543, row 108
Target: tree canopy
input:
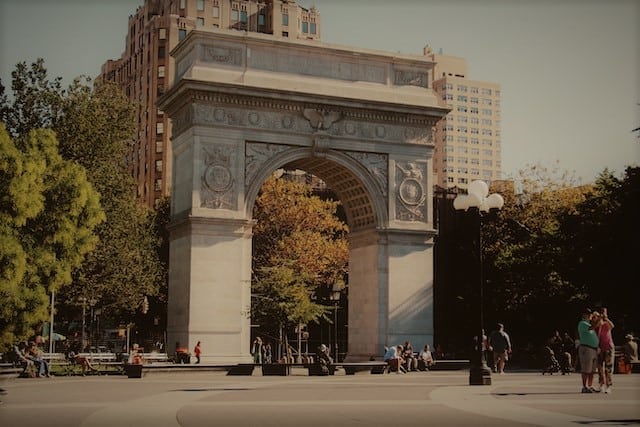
column 94, row 125
column 300, row 251
column 48, row 215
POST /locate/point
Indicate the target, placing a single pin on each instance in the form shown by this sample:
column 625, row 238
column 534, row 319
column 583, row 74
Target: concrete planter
column 276, row 369
column 133, row 371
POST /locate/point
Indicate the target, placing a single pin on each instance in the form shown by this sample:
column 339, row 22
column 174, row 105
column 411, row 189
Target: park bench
column 155, row 358
column 9, row 371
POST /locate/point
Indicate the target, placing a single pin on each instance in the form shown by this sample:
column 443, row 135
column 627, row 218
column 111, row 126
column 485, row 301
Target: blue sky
column 569, row 69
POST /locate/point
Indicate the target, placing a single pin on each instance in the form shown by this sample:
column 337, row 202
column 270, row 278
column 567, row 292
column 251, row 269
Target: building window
column 158, row 185
column 161, row 52
column 159, row 146
column 285, row 19
column 200, row 22
column 182, row 33
column 159, row 128
column 313, row 28
column 216, row 12
column 200, row 4
column 182, row 4
column 161, row 71
column 261, row 19
column 159, row 166
column 162, row 33
column 234, row 15
column 285, row 34
column 305, row 27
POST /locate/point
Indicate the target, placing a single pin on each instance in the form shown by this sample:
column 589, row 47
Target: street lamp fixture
column 335, row 297
column 479, row 203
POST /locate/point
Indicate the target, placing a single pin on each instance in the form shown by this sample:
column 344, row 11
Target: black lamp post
column 335, row 297
column 479, row 203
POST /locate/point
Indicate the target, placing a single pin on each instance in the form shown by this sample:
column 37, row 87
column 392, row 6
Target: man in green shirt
column 588, row 350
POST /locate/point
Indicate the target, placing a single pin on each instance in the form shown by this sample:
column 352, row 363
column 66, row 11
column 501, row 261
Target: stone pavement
column 419, row 398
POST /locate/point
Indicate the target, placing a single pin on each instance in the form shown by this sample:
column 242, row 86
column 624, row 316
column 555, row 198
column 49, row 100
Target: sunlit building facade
column 468, row 140
column 146, row 70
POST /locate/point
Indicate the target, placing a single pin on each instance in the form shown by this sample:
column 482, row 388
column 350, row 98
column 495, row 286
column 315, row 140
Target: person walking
column 500, row 345
column 256, row 351
column 197, row 351
column 606, row 355
column 588, row 348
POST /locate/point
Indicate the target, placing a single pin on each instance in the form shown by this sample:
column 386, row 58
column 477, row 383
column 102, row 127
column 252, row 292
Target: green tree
column 95, row 126
column 300, row 251
column 525, row 254
column 48, row 215
column 36, row 99
column 601, row 238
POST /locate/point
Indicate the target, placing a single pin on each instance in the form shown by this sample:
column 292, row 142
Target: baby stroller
column 550, row 363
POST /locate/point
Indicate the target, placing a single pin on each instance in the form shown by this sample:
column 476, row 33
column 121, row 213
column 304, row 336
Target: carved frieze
column 217, row 187
column 222, row 55
column 311, row 120
column 377, row 165
column 256, row 155
column 318, row 66
column 411, row 78
column 410, row 192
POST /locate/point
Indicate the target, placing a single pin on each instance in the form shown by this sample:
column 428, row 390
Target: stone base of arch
column 390, row 291
column 210, row 288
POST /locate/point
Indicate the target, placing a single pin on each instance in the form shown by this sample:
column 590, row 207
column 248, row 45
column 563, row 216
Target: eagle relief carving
column 320, row 119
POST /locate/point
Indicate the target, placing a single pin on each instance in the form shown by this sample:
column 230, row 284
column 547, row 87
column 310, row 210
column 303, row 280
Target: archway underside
column 352, row 194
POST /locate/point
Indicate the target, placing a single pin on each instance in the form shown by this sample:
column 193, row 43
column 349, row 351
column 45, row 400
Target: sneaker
column 594, row 390
column 586, row 390
column 608, row 390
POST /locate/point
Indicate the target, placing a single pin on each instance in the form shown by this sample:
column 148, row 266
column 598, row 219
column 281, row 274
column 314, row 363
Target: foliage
column 300, row 251
column 602, row 240
column 36, row 100
column 94, row 125
column 557, row 247
column 524, row 253
column 48, row 215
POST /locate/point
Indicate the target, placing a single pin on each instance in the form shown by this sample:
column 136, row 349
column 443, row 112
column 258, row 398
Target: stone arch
column 244, row 105
column 362, row 196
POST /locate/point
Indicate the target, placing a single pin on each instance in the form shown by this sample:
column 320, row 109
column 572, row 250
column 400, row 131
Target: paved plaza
column 213, row 399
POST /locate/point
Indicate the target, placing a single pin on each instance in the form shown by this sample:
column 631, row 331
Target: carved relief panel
column 411, row 193
column 217, row 189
